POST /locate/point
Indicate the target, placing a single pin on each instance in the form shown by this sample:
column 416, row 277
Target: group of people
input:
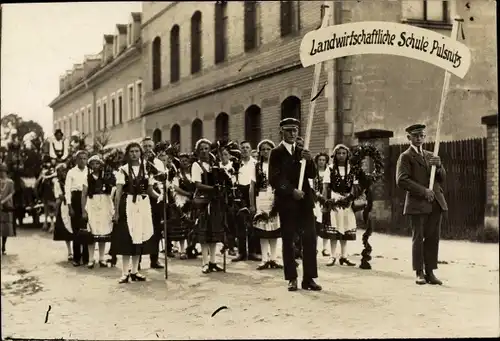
column 219, row 193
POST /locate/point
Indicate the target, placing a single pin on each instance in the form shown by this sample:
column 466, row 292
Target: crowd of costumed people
column 117, row 202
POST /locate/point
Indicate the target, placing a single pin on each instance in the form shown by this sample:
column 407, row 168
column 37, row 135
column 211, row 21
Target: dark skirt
column 121, row 241
column 261, row 234
column 77, row 222
column 179, row 223
column 210, row 227
column 60, row 232
column 326, row 231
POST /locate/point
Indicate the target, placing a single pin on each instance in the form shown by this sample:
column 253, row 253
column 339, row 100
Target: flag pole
column 444, row 94
column 314, row 92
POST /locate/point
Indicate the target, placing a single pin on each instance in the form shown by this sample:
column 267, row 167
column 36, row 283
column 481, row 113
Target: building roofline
column 133, row 51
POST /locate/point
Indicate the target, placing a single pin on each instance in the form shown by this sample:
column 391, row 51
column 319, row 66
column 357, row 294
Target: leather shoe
column 156, row 266
column 292, row 285
column 420, row 279
column 432, row 279
column 310, row 285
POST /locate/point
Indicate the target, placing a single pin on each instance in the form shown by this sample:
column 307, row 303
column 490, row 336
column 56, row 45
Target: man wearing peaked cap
column 423, row 206
column 294, row 205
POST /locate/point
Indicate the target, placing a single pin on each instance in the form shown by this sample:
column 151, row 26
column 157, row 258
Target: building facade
column 103, row 95
column 232, row 69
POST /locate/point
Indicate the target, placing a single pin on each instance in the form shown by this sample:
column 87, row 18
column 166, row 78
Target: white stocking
column 265, row 247
column 68, row 246
column 125, row 265
column 102, row 250
column 182, row 247
column 204, row 253
column 213, row 248
column 135, row 264
column 273, row 243
column 325, row 244
column 91, row 252
column 333, row 247
column 343, row 248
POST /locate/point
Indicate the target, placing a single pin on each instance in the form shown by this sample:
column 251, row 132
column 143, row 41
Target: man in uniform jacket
column 424, row 207
column 294, row 206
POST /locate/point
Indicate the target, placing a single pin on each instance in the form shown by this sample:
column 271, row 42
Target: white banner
column 378, row 37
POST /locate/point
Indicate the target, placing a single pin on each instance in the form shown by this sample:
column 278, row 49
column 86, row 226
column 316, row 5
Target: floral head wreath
column 316, row 158
column 265, row 141
column 340, row 146
column 231, row 147
column 95, row 157
column 200, row 141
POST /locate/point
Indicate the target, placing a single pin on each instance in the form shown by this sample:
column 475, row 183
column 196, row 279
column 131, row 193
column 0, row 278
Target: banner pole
column 314, row 92
column 444, row 94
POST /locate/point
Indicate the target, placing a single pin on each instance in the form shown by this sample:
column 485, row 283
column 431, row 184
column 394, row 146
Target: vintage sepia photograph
column 175, row 170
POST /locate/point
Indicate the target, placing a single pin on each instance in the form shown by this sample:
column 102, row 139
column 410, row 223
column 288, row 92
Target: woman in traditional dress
column 227, row 164
column 97, row 207
column 133, row 231
column 343, row 185
column 6, row 206
column 180, row 220
column 266, row 220
column 210, row 214
column 321, row 161
column 62, row 230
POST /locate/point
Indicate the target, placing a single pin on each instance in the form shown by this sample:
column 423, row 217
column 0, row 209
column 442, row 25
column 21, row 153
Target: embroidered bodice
column 262, row 175
column 98, row 185
column 318, row 181
column 136, row 180
column 341, row 179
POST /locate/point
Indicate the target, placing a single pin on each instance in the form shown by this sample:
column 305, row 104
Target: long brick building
column 233, row 69
column 104, row 93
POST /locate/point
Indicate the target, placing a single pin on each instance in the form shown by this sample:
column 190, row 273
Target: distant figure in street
column 423, row 206
column 6, row 206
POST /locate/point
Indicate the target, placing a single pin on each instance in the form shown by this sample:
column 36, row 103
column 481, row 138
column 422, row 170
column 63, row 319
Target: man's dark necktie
column 293, row 149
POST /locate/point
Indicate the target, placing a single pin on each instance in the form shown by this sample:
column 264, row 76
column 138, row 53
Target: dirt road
column 384, row 302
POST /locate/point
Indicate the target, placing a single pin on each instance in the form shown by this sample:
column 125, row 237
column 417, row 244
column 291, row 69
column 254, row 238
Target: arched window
column 290, row 107
column 253, row 125
column 156, row 61
column 156, row 136
column 196, row 42
column 175, row 55
column 250, row 25
column 175, row 134
column 222, row 126
column 196, row 131
column 220, row 31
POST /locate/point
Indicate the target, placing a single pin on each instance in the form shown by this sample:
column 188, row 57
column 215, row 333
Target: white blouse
column 197, row 172
column 120, row 176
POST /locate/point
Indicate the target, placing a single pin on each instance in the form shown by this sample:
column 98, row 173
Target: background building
column 218, row 69
column 104, row 93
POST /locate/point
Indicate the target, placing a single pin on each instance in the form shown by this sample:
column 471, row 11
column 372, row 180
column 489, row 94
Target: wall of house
column 391, row 92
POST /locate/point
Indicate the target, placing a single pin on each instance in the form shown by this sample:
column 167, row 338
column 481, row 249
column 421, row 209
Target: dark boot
column 431, row 278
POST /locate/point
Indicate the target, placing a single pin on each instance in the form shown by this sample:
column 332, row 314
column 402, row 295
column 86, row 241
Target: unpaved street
column 354, row 303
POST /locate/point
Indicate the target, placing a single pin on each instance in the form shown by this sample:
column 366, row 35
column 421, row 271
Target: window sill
column 440, row 25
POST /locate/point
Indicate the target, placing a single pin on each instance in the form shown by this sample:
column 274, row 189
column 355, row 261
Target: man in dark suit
column 424, row 207
column 295, row 206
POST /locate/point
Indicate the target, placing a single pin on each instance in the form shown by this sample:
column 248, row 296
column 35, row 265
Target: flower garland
column 362, row 151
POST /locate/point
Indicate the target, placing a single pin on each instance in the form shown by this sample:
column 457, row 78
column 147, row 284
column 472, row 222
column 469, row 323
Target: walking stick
column 165, row 235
